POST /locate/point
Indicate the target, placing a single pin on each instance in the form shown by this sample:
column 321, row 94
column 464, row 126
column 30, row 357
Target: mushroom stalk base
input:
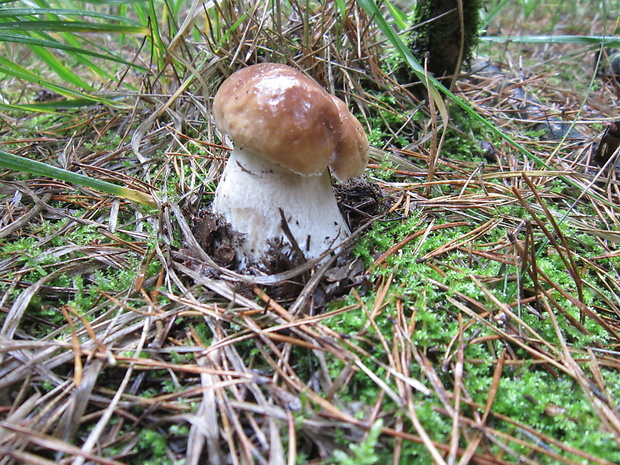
column 250, row 196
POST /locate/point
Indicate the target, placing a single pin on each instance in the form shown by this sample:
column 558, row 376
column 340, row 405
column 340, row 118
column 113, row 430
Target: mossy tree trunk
column 445, row 34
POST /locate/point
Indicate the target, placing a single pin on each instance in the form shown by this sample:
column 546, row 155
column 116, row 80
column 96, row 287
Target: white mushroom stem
column 250, row 195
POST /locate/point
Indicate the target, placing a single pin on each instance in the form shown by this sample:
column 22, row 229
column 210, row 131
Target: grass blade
column 73, row 26
column 60, row 69
column 35, row 41
column 612, row 41
column 13, row 69
column 15, row 13
column 17, row 163
column 433, row 85
column 43, row 107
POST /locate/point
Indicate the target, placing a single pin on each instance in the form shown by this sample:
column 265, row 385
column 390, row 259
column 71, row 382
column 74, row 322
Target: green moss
column 152, row 446
column 390, row 124
column 83, row 279
column 549, row 401
column 364, row 453
column 464, row 137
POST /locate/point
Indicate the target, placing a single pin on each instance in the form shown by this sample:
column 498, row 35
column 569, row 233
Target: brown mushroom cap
column 288, row 118
column 351, row 156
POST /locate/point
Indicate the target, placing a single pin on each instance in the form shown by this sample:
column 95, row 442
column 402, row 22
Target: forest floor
column 474, row 319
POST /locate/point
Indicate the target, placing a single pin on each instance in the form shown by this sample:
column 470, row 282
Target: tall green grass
column 82, row 50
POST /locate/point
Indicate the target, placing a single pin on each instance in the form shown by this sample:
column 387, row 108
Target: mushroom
column 286, row 130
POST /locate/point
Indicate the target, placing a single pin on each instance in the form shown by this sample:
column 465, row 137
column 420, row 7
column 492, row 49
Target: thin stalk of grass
column 493, row 11
column 15, row 13
column 17, row 163
column 612, row 41
column 159, row 49
column 65, row 104
column 72, row 26
column 148, row 14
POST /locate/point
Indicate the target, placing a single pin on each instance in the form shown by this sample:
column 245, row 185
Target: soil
column 360, row 202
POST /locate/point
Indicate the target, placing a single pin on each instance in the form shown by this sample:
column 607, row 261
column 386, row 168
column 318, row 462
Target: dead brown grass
column 247, row 376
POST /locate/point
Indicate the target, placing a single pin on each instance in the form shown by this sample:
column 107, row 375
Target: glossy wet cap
column 288, row 118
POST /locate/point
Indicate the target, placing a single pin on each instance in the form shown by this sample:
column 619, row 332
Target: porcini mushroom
column 286, row 130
